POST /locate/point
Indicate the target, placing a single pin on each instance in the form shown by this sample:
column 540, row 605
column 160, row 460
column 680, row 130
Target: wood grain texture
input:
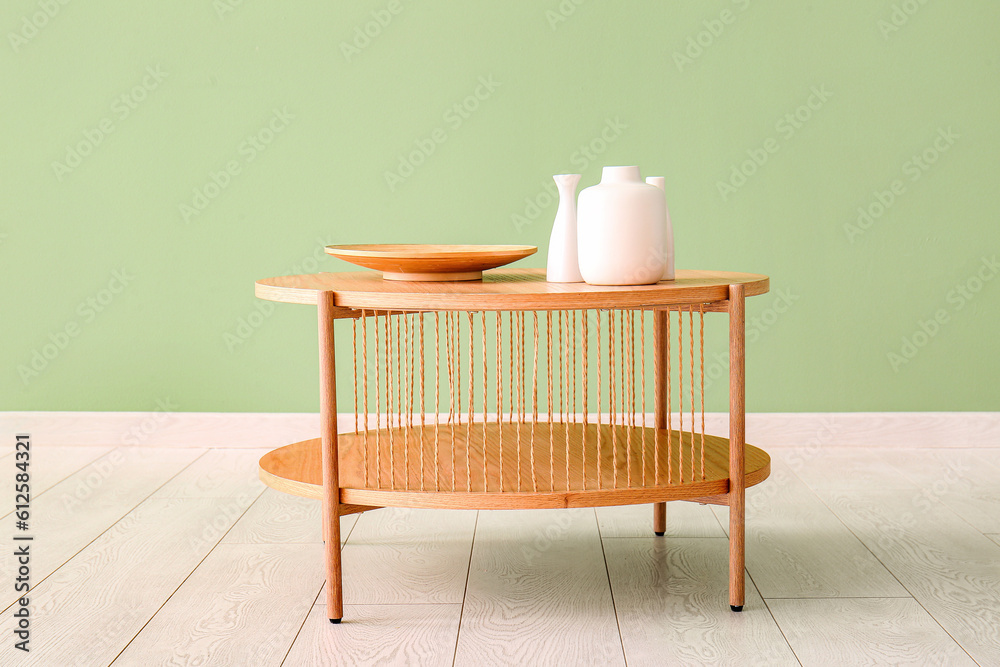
column 672, row 599
column 48, row 467
column 330, row 459
column 967, row 481
column 430, row 262
column 538, row 593
column 865, row 631
column 78, row 509
column 242, row 606
column 90, row 608
column 392, row 634
column 401, row 556
column 295, row 468
column 797, row 547
column 278, row 518
column 218, row 473
column 737, row 446
column 949, row 567
column 503, row 289
column 683, row 520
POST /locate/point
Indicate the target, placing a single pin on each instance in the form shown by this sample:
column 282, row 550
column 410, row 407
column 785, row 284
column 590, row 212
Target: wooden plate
column 430, row 263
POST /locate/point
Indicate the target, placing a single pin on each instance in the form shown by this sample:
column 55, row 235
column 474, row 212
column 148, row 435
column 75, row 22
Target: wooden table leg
column 331, row 480
column 660, row 401
column 737, row 435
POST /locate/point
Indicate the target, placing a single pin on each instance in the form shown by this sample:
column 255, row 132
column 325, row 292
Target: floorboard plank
column 683, row 520
column 47, row 467
column 797, row 547
column 865, row 631
column 964, row 480
column 672, row 597
column 242, row 606
column 392, row 634
column 88, row 502
column 90, row 608
column 951, row 569
column 219, row 473
column 538, row 592
column 402, row 556
column 278, row 518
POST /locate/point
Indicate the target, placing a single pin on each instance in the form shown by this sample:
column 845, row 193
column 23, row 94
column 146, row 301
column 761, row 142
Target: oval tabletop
column 504, row 289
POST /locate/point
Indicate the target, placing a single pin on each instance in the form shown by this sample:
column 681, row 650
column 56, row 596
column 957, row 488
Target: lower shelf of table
column 542, row 466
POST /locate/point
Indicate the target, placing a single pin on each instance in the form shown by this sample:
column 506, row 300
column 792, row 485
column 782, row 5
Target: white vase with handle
column 621, row 226
column 668, row 240
column 563, row 265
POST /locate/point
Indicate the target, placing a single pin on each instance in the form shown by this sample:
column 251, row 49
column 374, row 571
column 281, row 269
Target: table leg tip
column 736, row 607
column 337, row 620
column 658, row 533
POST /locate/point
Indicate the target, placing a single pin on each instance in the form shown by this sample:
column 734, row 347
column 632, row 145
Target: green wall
column 115, row 116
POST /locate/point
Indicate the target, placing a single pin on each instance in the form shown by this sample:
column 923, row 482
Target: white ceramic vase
column 668, row 239
column 621, row 226
column 563, row 265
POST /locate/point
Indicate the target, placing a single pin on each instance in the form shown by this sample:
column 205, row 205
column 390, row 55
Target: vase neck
column 621, row 175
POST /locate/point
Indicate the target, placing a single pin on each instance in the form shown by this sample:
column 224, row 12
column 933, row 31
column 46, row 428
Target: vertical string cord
column 510, row 360
column 499, row 374
column 548, row 386
column 399, row 372
column 522, row 390
column 691, row 344
column 701, row 381
column 515, row 370
column 628, row 390
column 583, row 397
column 670, row 417
column 407, row 373
column 378, row 410
column 468, row 428
column 450, row 353
column 456, row 349
column 388, row 400
column 437, row 397
column 486, row 486
column 680, row 392
column 354, row 350
column 600, row 458
column 612, row 384
column 565, row 355
column 559, row 368
column 534, row 399
column 423, row 407
column 364, row 372
column 642, row 379
column 411, row 328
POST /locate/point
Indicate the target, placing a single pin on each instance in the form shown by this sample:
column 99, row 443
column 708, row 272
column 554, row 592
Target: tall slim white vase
column 668, row 240
column 563, row 265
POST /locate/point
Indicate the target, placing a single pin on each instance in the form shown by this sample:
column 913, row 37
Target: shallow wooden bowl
column 430, row 263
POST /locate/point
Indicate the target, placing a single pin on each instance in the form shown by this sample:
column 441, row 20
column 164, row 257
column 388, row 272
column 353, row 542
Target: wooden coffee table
column 515, row 393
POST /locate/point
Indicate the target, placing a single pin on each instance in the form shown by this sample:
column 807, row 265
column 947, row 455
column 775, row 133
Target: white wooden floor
column 180, row 556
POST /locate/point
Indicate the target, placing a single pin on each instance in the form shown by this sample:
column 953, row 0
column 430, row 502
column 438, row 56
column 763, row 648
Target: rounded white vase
column 621, row 229
column 563, row 265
